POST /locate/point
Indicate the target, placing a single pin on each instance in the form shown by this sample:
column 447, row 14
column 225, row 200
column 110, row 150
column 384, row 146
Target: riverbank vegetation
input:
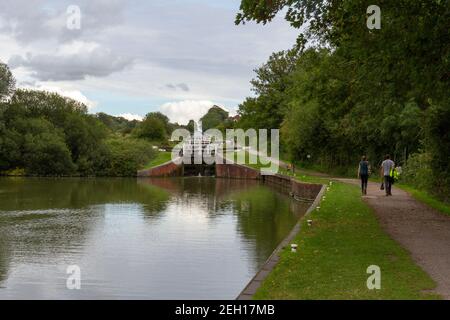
column 345, row 90
column 334, row 253
column 45, row 134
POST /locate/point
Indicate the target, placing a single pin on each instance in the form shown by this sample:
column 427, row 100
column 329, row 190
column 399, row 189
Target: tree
column 272, row 80
column 215, row 117
column 44, row 151
column 153, row 128
column 117, row 124
column 7, row 81
column 43, row 133
column 125, row 156
column 357, row 90
column 191, row 126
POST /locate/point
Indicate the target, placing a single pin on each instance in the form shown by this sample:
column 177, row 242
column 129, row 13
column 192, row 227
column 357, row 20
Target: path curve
column 420, row 229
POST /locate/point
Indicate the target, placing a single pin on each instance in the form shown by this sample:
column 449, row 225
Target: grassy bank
column 336, row 251
column 161, row 158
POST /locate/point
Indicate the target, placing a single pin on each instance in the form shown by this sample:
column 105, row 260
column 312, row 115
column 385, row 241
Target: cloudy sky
column 131, row 57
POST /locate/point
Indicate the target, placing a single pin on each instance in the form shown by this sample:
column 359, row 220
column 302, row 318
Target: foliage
column 418, row 172
column 125, row 156
column 272, row 79
column 117, row 124
column 214, row 118
column 7, row 82
column 153, row 128
column 45, row 134
column 357, row 91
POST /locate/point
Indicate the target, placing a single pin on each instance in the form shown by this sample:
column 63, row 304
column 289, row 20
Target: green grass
column 426, row 198
column 161, row 158
column 334, row 255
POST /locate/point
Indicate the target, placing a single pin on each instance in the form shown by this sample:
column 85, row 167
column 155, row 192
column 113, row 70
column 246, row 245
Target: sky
column 132, row 57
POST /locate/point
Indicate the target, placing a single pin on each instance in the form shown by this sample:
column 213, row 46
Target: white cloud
column 131, row 117
column 160, row 50
column 72, row 94
column 73, row 61
column 186, row 110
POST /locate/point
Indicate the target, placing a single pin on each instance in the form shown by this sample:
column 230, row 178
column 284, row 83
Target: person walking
column 385, row 171
column 363, row 174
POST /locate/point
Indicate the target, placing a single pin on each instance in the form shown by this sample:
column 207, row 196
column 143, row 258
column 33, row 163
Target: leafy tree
column 272, row 80
column 126, row 156
column 44, row 151
column 117, row 124
column 7, row 81
column 215, row 117
column 153, row 128
column 357, row 91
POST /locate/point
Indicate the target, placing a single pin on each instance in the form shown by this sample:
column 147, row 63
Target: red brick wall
column 305, row 190
column 236, row 171
column 169, row 169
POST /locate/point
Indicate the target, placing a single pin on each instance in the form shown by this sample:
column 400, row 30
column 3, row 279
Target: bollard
column 294, row 247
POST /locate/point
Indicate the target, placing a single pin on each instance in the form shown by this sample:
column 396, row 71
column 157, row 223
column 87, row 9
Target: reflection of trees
column 49, row 216
column 265, row 217
column 40, row 194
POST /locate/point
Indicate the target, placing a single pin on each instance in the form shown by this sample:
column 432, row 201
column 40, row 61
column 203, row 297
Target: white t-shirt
column 387, row 165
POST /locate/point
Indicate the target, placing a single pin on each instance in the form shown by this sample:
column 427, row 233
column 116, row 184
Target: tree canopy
column 345, row 90
column 43, row 133
column 215, row 117
column 7, row 82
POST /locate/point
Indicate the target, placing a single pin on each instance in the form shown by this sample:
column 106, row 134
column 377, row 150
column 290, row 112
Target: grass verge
column 161, row 158
column 426, row 198
column 336, row 251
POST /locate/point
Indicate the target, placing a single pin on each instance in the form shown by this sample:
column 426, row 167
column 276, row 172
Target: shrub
column 418, row 171
column 124, row 156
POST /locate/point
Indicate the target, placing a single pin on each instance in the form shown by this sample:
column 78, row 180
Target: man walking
column 386, row 166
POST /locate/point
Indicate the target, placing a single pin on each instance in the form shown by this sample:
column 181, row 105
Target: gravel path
column 423, row 231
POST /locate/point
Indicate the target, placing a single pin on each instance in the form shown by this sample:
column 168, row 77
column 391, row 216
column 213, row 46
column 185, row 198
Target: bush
column 124, row 156
column 418, row 172
column 44, row 151
column 152, row 128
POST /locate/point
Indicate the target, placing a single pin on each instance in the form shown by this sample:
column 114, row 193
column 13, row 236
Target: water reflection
column 187, row 238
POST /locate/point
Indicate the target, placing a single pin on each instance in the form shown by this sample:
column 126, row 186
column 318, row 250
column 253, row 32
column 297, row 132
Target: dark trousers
column 388, row 185
column 364, row 180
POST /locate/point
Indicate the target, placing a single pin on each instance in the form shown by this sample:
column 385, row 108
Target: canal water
column 181, row 238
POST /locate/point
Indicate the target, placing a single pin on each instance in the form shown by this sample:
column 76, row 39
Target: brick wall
column 235, row 171
column 281, row 182
column 168, row 169
column 305, row 190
